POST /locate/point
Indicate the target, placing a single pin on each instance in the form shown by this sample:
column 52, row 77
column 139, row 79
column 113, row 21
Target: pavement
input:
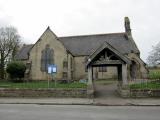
column 47, row 101
column 83, row 101
column 127, row 102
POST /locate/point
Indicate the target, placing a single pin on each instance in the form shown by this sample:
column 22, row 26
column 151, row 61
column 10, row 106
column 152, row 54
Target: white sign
column 49, row 69
column 52, row 68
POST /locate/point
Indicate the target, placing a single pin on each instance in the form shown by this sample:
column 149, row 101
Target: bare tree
column 9, row 42
column 154, row 57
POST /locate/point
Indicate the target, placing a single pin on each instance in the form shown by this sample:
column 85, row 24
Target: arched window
column 47, row 57
column 65, row 64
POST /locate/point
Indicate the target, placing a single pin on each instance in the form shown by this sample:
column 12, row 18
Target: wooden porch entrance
column 106, row 55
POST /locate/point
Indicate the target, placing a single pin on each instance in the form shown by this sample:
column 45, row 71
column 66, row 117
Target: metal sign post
column 52, row 69
column 53, row 74
column 48, row 81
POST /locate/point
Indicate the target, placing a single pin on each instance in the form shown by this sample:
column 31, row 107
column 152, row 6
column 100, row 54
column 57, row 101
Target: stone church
column 74, row 54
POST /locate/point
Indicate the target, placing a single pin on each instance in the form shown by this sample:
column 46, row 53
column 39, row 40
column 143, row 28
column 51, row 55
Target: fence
column 144, row 88
column 145, row 84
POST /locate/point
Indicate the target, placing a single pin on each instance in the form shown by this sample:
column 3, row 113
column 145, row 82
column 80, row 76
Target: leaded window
column 65, row 64
column 47, row 57
column 102, row 69
column 71, row 62
column 65, row 75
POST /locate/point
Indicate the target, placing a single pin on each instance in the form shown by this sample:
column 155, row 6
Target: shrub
column 16, row 71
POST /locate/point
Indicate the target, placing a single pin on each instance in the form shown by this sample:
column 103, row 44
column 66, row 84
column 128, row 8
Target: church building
column 105, row 54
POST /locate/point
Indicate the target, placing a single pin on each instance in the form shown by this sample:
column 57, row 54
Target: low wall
column 57, row 92
column 144, row 93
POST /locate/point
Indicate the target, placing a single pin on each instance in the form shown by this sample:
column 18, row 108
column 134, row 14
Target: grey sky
column 77, row 17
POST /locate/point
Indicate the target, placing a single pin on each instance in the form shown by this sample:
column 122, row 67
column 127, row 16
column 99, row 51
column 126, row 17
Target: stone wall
column 38, row 93
column 144, row 93
column 138, row 93
column 80, row 72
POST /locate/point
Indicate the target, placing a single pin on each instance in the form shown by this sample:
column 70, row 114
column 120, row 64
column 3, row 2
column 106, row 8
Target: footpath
column 83, row 101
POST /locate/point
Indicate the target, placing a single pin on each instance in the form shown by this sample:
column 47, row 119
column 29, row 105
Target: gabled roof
column 108, row 46
column 48, row 29
column 23, row 53
column 86, row 44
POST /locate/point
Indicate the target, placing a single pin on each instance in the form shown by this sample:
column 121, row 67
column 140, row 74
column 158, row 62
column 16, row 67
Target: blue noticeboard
column 52, row 68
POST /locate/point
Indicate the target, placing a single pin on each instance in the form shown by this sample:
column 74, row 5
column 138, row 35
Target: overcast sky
column 78, row 17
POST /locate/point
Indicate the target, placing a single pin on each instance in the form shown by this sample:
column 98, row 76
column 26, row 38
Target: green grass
column 149, row 85
column 154, row 74
column 41, row 84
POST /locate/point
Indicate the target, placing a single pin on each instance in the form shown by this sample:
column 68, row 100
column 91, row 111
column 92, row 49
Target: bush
column 16, row 71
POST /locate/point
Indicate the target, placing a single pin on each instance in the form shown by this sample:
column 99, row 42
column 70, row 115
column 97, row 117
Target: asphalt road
column 77, row 112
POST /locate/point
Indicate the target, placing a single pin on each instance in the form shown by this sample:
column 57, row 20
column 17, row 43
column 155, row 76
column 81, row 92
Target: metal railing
column 41, row 84
column 145, row 84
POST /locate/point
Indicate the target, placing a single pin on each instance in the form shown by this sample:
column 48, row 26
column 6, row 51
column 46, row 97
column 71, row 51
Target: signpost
column 52, row 70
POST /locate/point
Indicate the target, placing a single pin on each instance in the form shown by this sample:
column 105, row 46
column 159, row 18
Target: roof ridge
column 100, row 34
column 28, row 44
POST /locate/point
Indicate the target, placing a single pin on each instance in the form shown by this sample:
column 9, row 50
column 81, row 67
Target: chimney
column 127, row 26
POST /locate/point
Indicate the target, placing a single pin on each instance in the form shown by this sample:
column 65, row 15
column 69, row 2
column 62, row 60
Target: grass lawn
column 154, row 74
column 149, row 85
column 41, row 84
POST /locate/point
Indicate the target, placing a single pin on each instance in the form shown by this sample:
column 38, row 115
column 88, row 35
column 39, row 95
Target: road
column 76, row 112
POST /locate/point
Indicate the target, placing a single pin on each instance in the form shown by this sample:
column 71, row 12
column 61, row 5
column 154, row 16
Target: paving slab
column 127, row 102
column 60, row 101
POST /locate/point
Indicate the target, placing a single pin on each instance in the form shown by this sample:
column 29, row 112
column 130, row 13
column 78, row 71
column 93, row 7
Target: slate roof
column 23, row 53
column 87, row 44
